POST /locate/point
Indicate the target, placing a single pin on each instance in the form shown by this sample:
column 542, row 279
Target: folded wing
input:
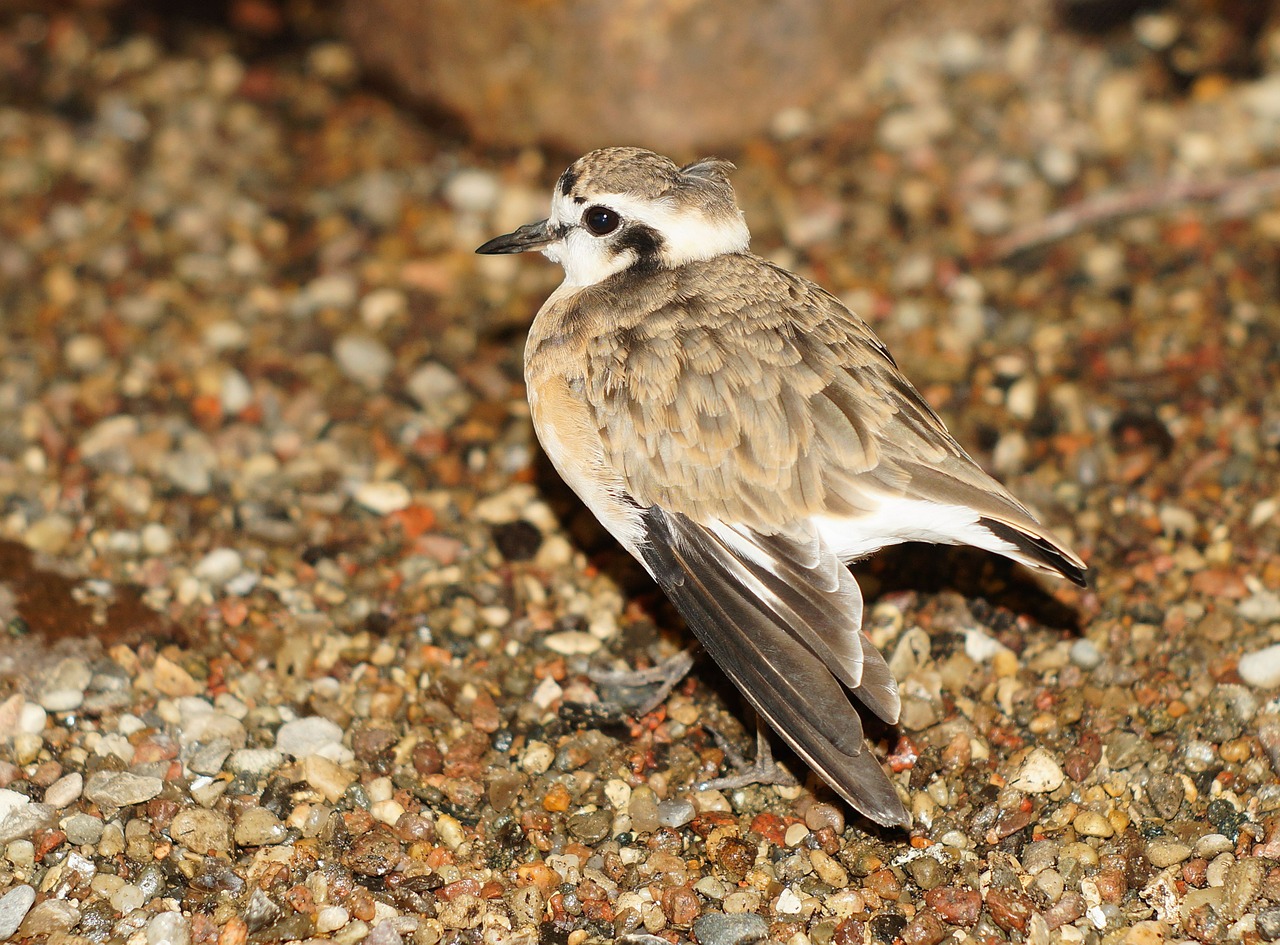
column 778, row 615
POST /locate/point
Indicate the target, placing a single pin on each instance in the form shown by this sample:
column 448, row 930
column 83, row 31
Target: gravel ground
column 299, row 623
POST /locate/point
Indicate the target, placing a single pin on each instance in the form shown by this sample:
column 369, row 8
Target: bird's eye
column 600, row 220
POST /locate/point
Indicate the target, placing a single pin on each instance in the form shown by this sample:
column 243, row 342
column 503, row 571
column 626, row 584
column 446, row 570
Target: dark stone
column 518, row 540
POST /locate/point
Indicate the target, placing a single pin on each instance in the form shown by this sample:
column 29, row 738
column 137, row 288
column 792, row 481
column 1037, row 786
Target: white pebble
column 1039, row 773
column 381, row 305
column 1262, row 607
column 219, row 566
column 383, row 498
column 1261, row 668
column 788, row 903
column 169, row 928
column 980, row 647
column 571, row 642
column 312, row 735
column 1085, row 654
column 127, row 898
column 156, row 539
column 32, row 719
column 236, row 393
column 472, row 190
column 331, row 918
column 363, row 359
column 546, row 693
column 536, row 759
column 85, row 352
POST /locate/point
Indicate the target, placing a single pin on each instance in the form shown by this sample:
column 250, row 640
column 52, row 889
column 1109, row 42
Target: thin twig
column 1236, row 196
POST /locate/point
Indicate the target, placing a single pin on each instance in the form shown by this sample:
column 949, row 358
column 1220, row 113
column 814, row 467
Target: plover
column 744, row 435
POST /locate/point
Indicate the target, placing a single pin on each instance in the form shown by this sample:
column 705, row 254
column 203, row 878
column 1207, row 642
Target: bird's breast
column 566, row 429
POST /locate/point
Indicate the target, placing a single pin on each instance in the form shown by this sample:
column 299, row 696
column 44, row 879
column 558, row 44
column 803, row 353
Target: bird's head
column 620, row 209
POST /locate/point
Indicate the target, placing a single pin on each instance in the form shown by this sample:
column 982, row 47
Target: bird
column 744, row 435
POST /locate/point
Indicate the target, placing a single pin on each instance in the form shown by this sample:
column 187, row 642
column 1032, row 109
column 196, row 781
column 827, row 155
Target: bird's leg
column 660, row 679
column 764, row 770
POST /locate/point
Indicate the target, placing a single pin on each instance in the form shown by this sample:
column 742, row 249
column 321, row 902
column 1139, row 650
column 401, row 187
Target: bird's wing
column 736, row 391
column 781, row 615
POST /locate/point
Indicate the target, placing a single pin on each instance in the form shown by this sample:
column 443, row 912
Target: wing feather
column 788, row 684
column 803, row 411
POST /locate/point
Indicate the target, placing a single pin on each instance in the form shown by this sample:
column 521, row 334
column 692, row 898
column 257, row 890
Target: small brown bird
column 743, row 434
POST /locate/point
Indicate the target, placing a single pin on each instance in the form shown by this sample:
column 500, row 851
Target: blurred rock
column 665, row 74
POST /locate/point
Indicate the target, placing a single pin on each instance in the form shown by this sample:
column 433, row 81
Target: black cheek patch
column 645, row 241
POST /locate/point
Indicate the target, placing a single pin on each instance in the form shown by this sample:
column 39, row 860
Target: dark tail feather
column 1038, row 550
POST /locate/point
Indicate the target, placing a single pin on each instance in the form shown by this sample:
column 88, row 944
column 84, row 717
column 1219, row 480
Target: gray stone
column 209, row 758
column 65, row 688
column 676, row 812
column 121, row 788
column 1269, row 923
column 717, row 928
column 255, row 761
column 82, row 829
column 22, row 822
column 14, row 906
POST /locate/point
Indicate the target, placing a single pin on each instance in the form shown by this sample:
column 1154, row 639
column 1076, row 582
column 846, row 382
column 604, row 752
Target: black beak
column 530, row 236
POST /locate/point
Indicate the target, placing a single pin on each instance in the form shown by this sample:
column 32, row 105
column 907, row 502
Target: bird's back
column 733, row 390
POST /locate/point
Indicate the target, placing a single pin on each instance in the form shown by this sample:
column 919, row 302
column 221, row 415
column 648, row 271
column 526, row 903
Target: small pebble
column 255, row 761
column 121, row 788
column 1268, row 923
column 310, row 735
column 258, row 827
column 572, row 642
column 169, row 928
column 676, row 812
column 383, row 498
column 364, row 359
column 14, row 906
column 1261, row 668
column 82, row 829
column 327, row 777
column 65, row 790
column 1093, row 824
column 1039, row 773
column 203, row 832
column 50, row 917
column 1163, row 852
column 717, row 928
column 331, row 918
column 219, row 566
column 64, row 690
column 1085, row 654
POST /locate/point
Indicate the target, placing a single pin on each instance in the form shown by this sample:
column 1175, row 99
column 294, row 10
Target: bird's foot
column 643, row 690
column 763, row 770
